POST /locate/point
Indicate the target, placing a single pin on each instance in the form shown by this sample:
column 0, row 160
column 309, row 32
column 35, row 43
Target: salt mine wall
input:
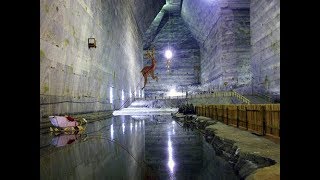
column 169, row 31
column 222, row 29
column 265, row 41
column 75, row 78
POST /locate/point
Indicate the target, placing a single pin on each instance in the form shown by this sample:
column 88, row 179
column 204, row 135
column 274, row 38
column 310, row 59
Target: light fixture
column 122, row 95
column 130, row 93
column 168, row 54
column 111, row 95
column 92, row 43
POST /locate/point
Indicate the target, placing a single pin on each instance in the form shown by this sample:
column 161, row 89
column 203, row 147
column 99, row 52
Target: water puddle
column 132, row 147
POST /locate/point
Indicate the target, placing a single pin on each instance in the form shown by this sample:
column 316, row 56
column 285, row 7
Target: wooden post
column 205, row 111
column 227, row 117
column 222, row 113
column 246, row 118
column 264, row 126
column 237, row 116
column 216, row 113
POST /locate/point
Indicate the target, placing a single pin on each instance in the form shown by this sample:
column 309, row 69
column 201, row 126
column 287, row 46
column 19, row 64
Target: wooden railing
column 262, row 119
column 241, row 98
column 207, row 95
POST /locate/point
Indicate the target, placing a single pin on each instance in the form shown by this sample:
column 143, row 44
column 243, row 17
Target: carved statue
column 149, row 70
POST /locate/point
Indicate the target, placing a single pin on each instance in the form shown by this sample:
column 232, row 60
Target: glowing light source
column 173, row 92
column 168, row 54
column 122, row 95
column 130, row 95
column 111, row 95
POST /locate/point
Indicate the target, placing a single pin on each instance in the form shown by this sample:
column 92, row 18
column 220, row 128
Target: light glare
column 173, row 92
column 168, row 54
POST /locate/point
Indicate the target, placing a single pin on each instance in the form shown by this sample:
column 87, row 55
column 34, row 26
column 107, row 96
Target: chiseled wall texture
column 168, row 30
column 74, row 78
column 222, row 29
column 265, row 41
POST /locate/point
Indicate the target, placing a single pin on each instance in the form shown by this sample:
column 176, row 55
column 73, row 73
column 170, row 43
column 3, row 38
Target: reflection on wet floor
column 132, row 147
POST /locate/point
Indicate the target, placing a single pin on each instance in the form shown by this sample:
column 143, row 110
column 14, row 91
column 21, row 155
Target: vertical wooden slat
column 206, row 110
column 227, row 116
column 263, row 108
column 222, row 107
column 203, row 111
column 216, row 108
column 246, row 118
column 238, row 115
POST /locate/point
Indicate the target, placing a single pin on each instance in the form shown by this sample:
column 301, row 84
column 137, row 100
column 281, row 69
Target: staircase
column 170, row 104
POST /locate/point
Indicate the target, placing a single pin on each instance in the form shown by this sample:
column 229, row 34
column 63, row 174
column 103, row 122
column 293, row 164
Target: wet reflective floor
column 131, row 147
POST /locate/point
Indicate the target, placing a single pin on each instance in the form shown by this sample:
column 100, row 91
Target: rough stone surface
column 266, row 173
column 246, row 151
column 265, row 41
column 250, row 156
column 75, row 78
column 222, row 30
column 168, row 31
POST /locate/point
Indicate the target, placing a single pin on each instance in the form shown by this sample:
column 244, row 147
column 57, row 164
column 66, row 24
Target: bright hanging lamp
column 168, row 54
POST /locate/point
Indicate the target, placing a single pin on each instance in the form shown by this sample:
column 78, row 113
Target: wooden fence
column 262, row 119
